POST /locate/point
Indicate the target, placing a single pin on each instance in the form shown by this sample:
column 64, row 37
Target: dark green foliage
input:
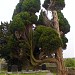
column 21, row 20
column 7, row 48
column 54, row 4
column 69, row 62
column 64, row 40
column 33, row 19
column 12, row 42
column 31, row 6
column 4, row 29
column 4, row 47
column 21, row 0
column 17, row 24
column 41, row 18
column 18, row 9
column 59, row 4
column 8, row 43
column 64, row 28
column 63, row 23
column 5, row 52
column 38, row 33
column 47, row 38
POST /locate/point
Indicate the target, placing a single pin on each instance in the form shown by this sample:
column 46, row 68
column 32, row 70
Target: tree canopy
column 47, row 38
column 31, row 6
column 22, row 19
column 63, row 23
column 54, row 4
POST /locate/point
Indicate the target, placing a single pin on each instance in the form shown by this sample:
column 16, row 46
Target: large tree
column 29, row 45
column 60, row 24
column 64, row 26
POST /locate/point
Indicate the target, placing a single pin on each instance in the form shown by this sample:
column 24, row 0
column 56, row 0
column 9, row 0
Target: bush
column 69, row 62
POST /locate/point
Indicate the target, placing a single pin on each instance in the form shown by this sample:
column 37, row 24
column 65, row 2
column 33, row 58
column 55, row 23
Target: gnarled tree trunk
column 60, row 64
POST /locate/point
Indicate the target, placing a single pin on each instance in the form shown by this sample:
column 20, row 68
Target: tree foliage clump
column 64, row 26
column 54, row 4
column 64, row 41
column 47, row 38
column 69, row 62
column 24, row 14
column 4, row 35
column 63, row 23
column 21, row 20
column 31, row 6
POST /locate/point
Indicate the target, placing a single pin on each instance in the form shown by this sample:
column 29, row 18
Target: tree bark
column 60, row 64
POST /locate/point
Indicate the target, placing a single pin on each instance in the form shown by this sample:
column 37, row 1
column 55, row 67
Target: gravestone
column 9, row 68
column 43, row 67
column 19, row 68
column 14, row 68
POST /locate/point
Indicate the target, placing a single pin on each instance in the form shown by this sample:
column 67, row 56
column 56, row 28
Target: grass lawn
column 40, row 73
column 31, row 74
column 2, row 74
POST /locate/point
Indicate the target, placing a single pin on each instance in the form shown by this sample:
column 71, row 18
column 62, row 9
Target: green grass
column 40, row 73
column 2, row 74
column 54, row 74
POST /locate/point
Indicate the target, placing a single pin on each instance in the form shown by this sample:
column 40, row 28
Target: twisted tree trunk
column 60, row 64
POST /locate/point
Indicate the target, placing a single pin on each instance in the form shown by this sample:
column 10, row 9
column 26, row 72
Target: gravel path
column 49, row 73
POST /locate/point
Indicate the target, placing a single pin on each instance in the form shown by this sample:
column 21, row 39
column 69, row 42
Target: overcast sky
column 6, row 11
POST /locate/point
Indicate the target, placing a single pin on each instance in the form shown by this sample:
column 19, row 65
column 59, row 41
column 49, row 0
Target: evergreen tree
column 28, row 46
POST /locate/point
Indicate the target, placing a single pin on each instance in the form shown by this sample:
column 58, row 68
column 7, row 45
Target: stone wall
column 71, row 71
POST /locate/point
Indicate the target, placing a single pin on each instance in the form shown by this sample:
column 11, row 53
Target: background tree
column 55, row 6
column 69, row 62
column 64, row 26
column 4, row 48
column 19, row 40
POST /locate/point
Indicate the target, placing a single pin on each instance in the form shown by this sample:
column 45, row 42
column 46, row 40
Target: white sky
column 6, row 11
column 69, row 14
